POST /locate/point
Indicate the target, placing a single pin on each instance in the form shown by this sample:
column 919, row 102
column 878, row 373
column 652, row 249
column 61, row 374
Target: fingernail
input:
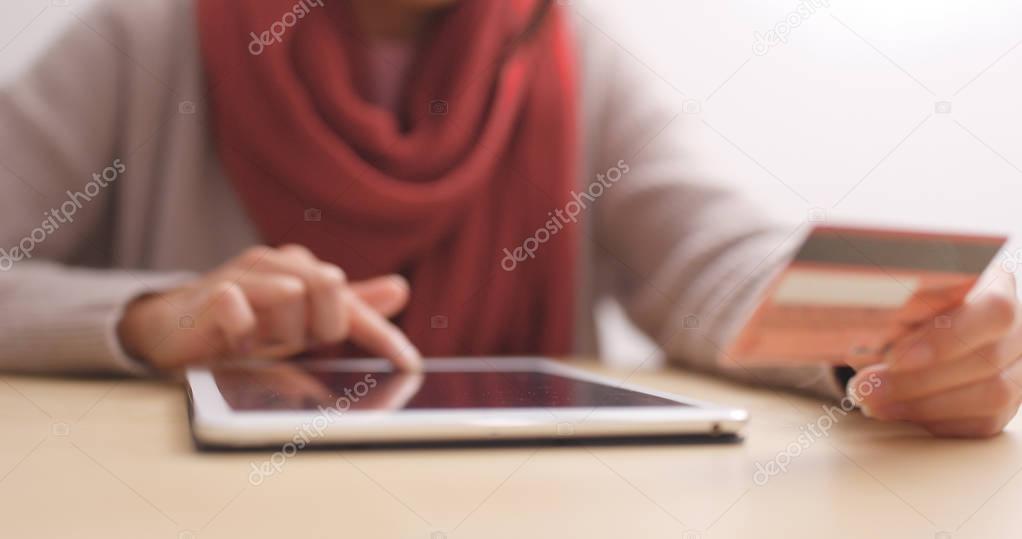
column 852, row 384
column 334, row 273
column 865, row 386
column 918, row 355
column 401, row 282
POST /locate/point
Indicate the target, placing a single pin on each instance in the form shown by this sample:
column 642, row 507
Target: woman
column 274, row 177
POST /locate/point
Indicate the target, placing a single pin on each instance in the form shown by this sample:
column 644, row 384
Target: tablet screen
column 288, row 386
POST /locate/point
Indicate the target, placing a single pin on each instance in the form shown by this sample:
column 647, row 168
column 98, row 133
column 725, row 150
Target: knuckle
column 1003, row 310
column 989, row 427
column 290, row 288
column 335, row 274
column 254, row 254
column 1002, row 392
column 225, row 288
column 328, row 277
column 297, row 249
column 224, row 293
column 1004, row 357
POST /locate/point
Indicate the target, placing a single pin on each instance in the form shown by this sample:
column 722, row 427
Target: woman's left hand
column 961, row 377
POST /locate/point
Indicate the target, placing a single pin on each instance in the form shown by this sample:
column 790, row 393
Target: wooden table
column 113, row 458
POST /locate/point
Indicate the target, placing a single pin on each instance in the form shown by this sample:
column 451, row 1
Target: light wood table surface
column 113, row 458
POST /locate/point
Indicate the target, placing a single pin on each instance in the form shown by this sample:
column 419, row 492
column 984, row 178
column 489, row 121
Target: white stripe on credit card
column 845, row 289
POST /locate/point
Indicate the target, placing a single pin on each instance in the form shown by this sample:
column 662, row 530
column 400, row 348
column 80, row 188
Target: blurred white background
column 888, row 112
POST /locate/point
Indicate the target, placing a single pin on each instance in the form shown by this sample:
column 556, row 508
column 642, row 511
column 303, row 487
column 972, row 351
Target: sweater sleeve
column 690, row 255
column 64, row 319
column 60, row 168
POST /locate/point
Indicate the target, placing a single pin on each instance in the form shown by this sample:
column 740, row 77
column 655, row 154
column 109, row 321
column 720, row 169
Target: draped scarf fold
column 478, row 160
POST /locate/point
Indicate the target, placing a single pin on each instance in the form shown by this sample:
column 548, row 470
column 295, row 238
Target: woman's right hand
column 267, row 303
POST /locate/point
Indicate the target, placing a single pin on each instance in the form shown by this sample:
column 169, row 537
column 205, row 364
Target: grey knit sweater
column 111, row 187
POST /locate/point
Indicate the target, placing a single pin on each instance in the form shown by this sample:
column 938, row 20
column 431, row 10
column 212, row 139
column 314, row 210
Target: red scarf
column 482, row 156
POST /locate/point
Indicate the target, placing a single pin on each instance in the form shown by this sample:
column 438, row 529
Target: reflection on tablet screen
column 287, row 386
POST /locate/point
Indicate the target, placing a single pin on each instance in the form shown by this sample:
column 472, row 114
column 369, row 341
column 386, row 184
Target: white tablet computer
column 331, row 402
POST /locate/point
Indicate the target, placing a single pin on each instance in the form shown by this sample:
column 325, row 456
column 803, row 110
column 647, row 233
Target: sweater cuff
column 79, row 334
column 109, row 318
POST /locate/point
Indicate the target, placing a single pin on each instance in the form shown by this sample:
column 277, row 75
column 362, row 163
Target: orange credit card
column 850, row 292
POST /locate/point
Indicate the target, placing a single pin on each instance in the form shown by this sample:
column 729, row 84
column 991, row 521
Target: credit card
column 850, row 292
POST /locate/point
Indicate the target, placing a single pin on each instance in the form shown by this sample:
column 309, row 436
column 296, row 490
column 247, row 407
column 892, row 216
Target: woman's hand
column 959, row 379
column 267, row 303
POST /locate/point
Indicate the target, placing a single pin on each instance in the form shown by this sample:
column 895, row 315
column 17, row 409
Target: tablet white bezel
column 215, row 423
